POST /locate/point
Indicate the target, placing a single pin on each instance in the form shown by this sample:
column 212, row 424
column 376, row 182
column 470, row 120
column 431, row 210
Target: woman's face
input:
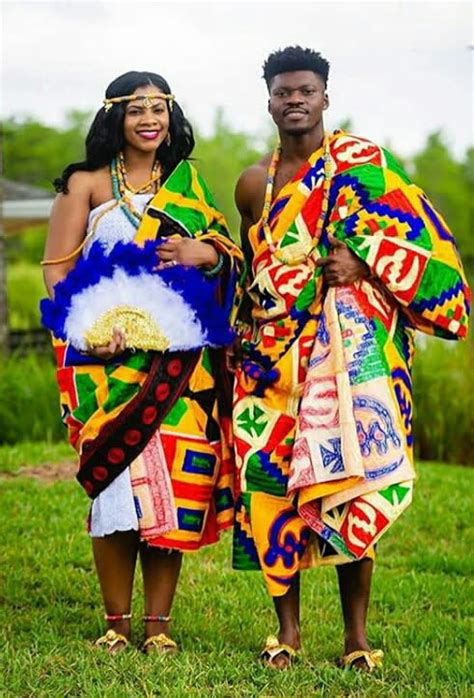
column 146, row 127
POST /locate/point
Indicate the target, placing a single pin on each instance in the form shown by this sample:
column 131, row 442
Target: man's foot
column 280, row 652
column 359, row 656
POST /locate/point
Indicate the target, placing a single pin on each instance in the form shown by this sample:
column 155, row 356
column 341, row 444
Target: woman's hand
column 186, row 251
column 114, row 348
column 342, row 267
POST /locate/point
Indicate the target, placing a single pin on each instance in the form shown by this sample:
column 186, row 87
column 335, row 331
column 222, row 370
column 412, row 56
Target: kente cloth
column 182, row 481
column 117, row 280
column 323, row 398
column 166, row 415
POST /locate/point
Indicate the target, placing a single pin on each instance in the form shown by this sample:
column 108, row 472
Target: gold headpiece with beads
column 147, row 100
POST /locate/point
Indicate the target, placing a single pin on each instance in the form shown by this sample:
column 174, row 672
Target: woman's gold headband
column 147, row 100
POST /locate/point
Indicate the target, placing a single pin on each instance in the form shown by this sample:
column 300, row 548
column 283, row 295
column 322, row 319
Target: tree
column 221, row 159
column 3, row 295
column 36, row 154
column 448, row 183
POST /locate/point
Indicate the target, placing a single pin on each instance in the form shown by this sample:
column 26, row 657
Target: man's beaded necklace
column 123, row 192
column 327, row 174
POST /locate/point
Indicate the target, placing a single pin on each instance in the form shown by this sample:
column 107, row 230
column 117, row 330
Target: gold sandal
column 161, row 643
column 273, row 649
column 373, row 659
column 110, row 640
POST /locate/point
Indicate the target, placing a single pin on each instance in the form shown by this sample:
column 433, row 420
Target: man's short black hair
column 294, row 58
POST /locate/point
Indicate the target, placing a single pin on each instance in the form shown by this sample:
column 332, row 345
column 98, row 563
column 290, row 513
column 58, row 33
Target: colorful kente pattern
column 183, row 480
column 160, row 414
column 323, row 399
column 121, row 441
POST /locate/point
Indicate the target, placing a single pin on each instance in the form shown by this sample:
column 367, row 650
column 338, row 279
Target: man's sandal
column 274, row 649
column 372, row 658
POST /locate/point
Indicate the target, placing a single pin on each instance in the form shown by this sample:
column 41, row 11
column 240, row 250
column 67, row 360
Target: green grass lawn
column 421, row 610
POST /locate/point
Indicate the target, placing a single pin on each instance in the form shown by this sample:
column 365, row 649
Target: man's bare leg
column 115, row 559
column 354, row 588
column 288, row 612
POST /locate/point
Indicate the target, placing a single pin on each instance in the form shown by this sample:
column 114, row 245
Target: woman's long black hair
column 105, row 138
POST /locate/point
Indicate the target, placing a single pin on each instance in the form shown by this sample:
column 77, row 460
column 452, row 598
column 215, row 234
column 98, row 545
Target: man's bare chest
column 284, row 174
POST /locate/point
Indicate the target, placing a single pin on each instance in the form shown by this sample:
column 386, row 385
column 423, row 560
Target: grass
column 27, row 453
column 420, row 613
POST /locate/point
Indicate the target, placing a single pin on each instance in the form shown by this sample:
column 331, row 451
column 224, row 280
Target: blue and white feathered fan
column 162, row 309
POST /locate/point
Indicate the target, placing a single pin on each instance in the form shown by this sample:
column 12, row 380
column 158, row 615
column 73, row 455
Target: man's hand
column 190, row 253
column 115, row 347
column 342, row 267
column 233, row 355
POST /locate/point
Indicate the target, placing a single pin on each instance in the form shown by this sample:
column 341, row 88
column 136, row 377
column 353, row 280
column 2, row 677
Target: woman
column 151, row 437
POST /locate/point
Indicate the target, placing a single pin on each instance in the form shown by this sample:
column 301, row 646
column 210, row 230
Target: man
column 347, row 257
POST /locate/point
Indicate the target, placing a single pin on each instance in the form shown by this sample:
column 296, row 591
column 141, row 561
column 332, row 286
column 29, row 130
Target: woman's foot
column 159, row 644
column 117, row 637
column 157, row 638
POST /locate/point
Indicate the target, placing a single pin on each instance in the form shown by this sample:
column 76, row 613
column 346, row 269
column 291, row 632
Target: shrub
column 29, row 400
column 26, row 245
column 443, row 397
column 25, row 288
column 444, row 401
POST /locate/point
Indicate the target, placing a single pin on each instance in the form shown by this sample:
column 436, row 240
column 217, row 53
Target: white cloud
column 399, row 69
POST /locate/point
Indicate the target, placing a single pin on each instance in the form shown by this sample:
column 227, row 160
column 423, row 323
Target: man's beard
column 297, row 131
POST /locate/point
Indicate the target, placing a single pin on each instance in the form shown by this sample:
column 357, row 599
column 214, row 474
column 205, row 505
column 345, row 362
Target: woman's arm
column 67, row 228
column 189, row 252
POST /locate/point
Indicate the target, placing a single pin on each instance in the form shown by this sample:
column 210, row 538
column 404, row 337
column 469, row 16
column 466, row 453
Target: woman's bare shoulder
column 92, row 187
column 83, row 180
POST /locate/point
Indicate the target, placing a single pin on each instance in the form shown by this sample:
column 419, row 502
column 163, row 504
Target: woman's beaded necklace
column 327, row 174
column 123, row 192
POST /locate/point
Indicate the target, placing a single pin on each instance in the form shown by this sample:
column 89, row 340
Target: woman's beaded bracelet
column 213, row 271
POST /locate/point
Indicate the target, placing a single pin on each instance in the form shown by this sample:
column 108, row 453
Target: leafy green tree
column 448, row 183
column 36, row 154
column 221, row 159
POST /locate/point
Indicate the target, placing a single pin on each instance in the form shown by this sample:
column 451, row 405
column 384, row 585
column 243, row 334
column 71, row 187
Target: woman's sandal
column 112, row 641
column 162, row 644
column 274, row 649
column 372, row 658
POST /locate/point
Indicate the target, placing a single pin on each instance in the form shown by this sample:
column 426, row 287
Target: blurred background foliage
column 35, row 153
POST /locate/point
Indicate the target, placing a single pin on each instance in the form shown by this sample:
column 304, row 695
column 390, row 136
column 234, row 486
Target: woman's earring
column 168, row 139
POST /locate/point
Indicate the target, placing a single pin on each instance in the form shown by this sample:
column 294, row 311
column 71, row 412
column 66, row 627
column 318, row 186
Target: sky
column 399, row 70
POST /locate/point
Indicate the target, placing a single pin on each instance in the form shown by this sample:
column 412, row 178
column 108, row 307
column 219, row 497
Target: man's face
column 297, row 101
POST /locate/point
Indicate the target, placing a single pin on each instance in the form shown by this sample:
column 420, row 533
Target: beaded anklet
column 117, row 616
column 157, row 619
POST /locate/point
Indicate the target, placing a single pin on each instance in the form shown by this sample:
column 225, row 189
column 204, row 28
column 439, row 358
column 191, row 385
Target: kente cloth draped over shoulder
column 323, row 400
column 165, row 415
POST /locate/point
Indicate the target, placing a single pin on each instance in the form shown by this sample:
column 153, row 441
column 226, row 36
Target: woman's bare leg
column 161, row 570
column 115, row 559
